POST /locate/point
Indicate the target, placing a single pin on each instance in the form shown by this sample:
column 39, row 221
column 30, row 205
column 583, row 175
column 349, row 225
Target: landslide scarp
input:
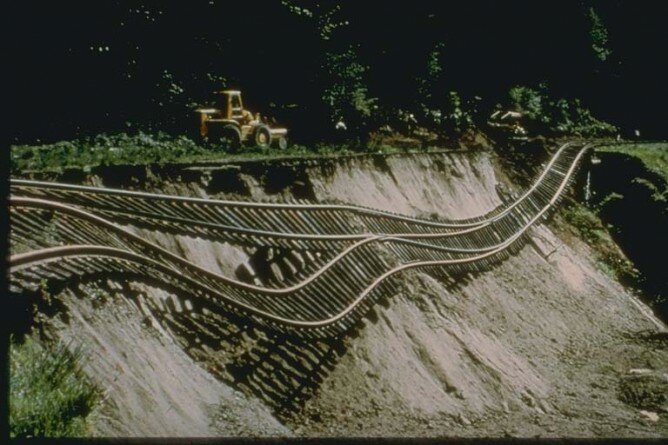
column 522, row 341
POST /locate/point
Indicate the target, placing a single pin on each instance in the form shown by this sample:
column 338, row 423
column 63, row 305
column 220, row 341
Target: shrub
column 346, row 95
column 530, row 102
column 544, row 114
column 438, row 109
column 107, row 149
column 589, row 227
column 48, row 393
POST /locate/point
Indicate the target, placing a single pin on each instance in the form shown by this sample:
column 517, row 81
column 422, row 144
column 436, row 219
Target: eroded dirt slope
column 541, row 344
column 152, row 387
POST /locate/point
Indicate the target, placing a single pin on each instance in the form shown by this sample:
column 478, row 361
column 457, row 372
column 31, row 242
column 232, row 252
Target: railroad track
column 252, row 222
column 302, row 229
column 360, row 252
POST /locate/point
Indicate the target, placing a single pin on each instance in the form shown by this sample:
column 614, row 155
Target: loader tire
column 282, row 143
column 227, row 138
column 262, row 136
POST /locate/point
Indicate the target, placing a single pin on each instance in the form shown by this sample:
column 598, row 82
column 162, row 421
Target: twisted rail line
column 326, row 302
column 331, row 230
column 295, row 221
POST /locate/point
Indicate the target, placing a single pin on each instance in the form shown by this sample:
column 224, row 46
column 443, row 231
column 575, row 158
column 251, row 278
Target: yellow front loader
column 228, row 124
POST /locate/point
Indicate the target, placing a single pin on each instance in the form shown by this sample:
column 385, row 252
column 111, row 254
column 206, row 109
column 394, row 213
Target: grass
column 589, row 227
column 653, row 155
column 49, row 396
column 106, row 150
column 159, row 148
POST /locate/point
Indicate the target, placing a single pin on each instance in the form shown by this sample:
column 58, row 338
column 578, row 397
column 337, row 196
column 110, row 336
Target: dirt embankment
column 542, row 344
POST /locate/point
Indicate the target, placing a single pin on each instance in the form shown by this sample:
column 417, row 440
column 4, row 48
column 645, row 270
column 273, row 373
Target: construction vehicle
column 229, row 125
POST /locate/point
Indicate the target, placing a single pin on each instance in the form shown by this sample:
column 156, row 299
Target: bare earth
column 543, row 344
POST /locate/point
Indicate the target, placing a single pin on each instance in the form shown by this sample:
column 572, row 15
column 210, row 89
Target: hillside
column 543, row 343
column 296, row 218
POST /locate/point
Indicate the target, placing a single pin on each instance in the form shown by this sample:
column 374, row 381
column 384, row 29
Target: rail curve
column 327, row 302
column 280, row 224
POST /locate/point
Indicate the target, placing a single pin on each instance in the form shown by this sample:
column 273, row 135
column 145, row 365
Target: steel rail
column 364, row 211
column 370, row 238
column 362, row 239
column 19, row 259
column 24, row 259
column 276, row 291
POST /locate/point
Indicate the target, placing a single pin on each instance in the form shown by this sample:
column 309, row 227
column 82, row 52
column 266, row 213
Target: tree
column 599, row 35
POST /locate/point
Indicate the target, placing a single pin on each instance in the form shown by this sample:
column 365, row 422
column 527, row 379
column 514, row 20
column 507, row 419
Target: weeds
column 107, row 150
column 654, row 155
column 589, row 227
column 49, row 396
column 124, row 149
column 548, row 115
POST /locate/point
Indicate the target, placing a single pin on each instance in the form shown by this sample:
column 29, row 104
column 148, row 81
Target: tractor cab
column 230, row 104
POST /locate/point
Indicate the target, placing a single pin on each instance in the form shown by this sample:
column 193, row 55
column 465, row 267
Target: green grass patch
column 653, row 155
column 159, row 148
column 588, row 225
column 106, row 150
column 49, row 395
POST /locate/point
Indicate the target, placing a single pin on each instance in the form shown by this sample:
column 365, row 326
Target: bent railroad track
column 347, row 255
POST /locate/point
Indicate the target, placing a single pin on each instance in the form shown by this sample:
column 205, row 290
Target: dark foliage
column 81, row 68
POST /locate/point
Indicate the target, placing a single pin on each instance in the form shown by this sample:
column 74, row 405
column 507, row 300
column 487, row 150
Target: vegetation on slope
column 629, row 194
column 625, row 215
column 547, row 115
column 160, row 148
column 106, row 150
column 653, row 155
column 49, row 395
column 587, row 225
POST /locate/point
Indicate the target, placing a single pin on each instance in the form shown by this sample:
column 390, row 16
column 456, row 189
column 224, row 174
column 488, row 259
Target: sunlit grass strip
column 160, row 148
column 653, row 155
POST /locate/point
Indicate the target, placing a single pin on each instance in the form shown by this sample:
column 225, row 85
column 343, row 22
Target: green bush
column 530, row 102
column 546, row 115
column 49, row 396
column 438, row 109
column 456, row 117
column 599, row 35
column 589, row 227
column 106, row 149
column 587, row 223
column 346, row 95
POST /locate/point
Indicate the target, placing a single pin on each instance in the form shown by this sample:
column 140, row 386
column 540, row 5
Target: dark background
column 163, row 57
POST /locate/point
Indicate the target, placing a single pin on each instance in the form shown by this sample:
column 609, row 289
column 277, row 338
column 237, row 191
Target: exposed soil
column 152, row 387
column 522, row 350
column 544, row 343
